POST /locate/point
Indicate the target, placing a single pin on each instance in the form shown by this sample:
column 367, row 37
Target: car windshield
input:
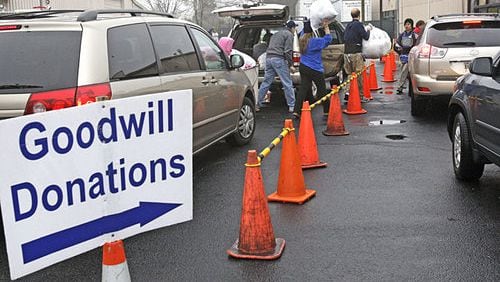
column 38, row 61
column 465, row 34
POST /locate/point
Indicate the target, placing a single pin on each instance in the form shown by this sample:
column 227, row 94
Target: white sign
column 76, row 178
column 348, row 5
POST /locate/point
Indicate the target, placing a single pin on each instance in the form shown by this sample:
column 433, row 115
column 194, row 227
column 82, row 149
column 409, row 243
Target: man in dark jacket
column 279, row 63
column 353, row 39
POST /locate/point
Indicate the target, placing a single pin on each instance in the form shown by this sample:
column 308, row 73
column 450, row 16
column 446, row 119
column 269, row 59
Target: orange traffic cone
column 393, row 60
column 335, row 124
column 114, row 263
column 373, row 78
column 307, row 140
column 388, row 75
column 291, row 186
column 354, row 102
column 366, row 86
column 256, row 240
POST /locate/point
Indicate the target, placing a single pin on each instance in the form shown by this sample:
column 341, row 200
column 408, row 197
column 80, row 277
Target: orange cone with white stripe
column 114, row 263
column 308, row 148
column 366, row 86
column 291, row 185
column 256, row 240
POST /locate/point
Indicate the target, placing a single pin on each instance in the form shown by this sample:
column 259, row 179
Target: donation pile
column 377, row 45
column 320, row 10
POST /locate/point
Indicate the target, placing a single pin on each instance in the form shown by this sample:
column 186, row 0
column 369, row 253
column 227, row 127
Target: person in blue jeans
column 406, row 40
column 311, row 66
column 279, row 63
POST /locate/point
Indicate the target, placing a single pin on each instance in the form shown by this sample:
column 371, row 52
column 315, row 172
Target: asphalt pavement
column 387, row 208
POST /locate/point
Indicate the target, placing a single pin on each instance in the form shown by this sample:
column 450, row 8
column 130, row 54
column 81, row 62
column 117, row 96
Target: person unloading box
column 311, row 66
column 353, row 39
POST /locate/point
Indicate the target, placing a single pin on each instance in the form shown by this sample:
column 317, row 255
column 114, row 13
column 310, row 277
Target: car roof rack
column 437, row 17
column 35, row 14
column 91, row 15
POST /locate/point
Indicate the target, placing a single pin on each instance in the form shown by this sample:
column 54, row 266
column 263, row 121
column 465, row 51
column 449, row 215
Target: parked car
column 474, row 118
column 256, row 22
column 58, row 59
column 444, row 51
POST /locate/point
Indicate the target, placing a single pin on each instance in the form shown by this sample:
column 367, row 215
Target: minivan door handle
column 205, row 81
column 214, row 80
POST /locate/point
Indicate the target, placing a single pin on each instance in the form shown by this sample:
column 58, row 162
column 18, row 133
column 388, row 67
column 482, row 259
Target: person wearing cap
column 353, row 39
column 406, row 40
column 311, row 66
column 279, row 63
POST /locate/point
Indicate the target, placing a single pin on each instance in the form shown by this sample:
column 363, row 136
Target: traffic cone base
column 359, row 112
column 278, row 250
column 319, row 164
column 341, row 133
column 309, row 156
column 274, row 197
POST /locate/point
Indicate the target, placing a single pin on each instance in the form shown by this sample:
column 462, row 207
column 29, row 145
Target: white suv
column 57, row 59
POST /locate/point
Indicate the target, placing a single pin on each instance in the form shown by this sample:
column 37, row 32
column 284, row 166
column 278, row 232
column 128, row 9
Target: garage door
column 113, row 4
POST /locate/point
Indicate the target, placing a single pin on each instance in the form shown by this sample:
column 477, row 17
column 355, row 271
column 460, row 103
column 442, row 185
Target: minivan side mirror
column 481, row 66
column 237, row 61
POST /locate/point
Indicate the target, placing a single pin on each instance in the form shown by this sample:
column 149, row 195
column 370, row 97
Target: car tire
column 417, row 105
column 464, row 166
column 245, row 126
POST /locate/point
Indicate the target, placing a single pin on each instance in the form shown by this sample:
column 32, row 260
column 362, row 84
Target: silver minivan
column 57, row 59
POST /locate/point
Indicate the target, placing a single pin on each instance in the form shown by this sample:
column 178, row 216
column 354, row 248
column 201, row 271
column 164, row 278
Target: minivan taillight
column 65, row 98
column 92, row 93
column 296, row 59
column 433, row 52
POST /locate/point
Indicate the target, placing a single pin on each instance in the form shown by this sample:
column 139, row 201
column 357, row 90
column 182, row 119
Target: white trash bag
column 377, row 45
column 320, row 10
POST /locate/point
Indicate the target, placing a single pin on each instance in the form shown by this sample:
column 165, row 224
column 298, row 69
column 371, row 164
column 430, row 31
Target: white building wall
column 425, row 9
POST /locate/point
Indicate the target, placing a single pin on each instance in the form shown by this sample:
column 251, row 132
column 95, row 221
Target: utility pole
column 363, row 11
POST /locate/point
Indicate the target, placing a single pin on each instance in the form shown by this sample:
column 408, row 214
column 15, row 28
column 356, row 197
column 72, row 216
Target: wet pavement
column 387, row 208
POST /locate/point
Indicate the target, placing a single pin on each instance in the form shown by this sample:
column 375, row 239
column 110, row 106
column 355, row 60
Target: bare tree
column 173, row 7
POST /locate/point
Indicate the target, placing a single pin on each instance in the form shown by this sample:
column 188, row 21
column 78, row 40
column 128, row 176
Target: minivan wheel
column 246, row 124
column 463, row 162
column 417, row 105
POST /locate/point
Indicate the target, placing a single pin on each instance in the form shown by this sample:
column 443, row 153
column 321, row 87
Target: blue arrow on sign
column 143, row 214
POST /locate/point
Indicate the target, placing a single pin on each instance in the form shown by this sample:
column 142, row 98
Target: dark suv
column 474, row 118
column 257, row 20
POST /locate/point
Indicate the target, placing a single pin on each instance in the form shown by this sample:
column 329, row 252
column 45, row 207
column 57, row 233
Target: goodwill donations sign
column 73, row 179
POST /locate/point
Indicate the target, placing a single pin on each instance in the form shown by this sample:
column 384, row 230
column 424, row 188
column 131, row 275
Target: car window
column 176, row 55
column 130, row 52
column 38, row 61
column 248, row 37
column 460, row 34
column 211, row 54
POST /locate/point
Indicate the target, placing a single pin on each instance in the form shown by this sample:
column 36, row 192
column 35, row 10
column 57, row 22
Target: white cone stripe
column 116, row 273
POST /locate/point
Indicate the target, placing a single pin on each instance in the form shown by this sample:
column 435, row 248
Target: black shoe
column 399, row 91
column 296, row 115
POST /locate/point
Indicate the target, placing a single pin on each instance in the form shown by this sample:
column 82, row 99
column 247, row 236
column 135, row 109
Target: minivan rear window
column 38, row 60
column 467, row 33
